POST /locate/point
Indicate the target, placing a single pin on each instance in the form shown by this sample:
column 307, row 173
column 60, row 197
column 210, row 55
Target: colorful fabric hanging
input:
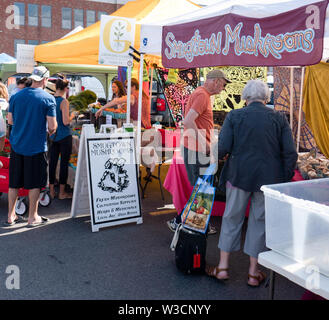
column 122, row 74
column 145, row 73
column 316, row 104
column 230, row 98
column 281, row 85
column 178, row 93
column 172, row 76
column 190, row 77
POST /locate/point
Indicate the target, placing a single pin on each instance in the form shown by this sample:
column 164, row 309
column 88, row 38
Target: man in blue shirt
column 32, row 112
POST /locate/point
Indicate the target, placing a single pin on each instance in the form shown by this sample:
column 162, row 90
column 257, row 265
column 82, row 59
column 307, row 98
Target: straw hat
column 50, row 87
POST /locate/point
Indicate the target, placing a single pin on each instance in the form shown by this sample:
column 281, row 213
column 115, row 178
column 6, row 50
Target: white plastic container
column 297, row 221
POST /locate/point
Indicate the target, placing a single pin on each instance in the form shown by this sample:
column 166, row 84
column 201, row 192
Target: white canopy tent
column 151, row 34
column 248, row 8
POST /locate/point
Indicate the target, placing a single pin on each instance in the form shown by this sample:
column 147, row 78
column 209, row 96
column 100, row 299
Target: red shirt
column 200, row 102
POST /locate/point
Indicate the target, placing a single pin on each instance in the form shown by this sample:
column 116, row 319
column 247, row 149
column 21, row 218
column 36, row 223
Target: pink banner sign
column 292, row 38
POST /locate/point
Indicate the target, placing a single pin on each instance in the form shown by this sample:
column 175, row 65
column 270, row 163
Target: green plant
column 81, row 101
column 89, row 95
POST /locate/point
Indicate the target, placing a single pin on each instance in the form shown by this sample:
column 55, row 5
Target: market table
column 115, row 115
column 178, row 185
column 119, row 117
column 158, row 147
column 295, row 272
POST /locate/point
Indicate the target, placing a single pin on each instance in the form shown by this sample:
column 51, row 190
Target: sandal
column 261, row 276
column 210, row 272
column 19, row 219
column 43, row 221
column 65, row 196
column 52, row 195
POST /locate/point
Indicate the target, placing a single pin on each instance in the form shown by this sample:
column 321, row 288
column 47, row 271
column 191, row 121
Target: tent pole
column 291, row 96
column 300, row 107
column 107, row 86
column 139, row 119
column 128, row 94
column 171, row 117
column 151, row 87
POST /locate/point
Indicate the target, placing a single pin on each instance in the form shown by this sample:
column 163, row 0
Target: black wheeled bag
column 190, row 250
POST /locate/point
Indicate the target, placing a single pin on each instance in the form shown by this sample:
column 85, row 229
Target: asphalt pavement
column 65, row 260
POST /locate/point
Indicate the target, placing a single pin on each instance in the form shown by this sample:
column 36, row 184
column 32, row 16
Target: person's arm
column 113, row 103
column 2, row 131
column 10, row 118
column 189, row 121
column 225, row 140
column 288, row 150
column 189, row 124
column 50, row 108
column 52, row 125
column 65, row 108
column 146, row 112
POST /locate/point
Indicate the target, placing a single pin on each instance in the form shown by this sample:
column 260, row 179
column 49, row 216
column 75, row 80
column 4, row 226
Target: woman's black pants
column 64, row 148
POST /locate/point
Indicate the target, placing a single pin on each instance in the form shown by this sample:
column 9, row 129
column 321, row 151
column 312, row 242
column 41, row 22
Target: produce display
column 82, row 100
column 121, row 109
column 76, row 131
column 115, row 113
column 73, row 161
column 312, row 165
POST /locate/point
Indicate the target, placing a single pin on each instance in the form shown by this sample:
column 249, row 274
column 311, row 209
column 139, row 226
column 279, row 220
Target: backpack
column 190, row 250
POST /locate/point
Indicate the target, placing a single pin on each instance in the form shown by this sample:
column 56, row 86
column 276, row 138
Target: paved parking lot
column 65, row 260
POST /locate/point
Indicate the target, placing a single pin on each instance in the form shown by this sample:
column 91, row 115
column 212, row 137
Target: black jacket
column 261, row 148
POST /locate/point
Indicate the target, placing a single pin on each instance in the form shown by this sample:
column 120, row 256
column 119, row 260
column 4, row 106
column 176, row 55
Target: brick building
column 40, row 21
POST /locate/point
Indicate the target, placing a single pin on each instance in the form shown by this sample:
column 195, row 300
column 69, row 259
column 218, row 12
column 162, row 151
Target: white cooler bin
column 297, row 221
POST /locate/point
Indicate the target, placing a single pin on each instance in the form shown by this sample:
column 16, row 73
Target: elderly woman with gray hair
column 258, row 144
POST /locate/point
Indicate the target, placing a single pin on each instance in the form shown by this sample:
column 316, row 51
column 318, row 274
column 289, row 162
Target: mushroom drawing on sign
column 115, row 177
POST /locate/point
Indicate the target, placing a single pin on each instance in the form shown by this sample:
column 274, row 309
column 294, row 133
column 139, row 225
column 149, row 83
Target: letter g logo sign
column 116, row 35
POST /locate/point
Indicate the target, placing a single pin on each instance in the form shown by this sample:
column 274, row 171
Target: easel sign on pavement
column 106, row 183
